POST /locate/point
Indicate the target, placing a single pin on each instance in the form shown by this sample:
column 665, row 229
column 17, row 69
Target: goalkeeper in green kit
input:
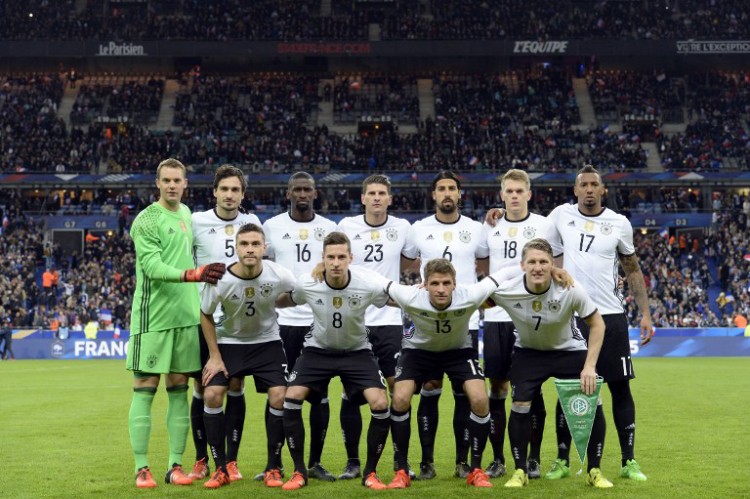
column 164, row 320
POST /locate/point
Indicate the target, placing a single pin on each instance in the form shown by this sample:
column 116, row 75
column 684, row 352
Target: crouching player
column 245, row 342
column 548, row 343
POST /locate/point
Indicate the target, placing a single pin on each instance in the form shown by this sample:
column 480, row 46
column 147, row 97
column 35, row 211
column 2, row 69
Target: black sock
column 377, row 434
column 427, row 422
column 461, row 412
column 596, row 441
column 479, row 430
column 351, row 428
column 320, row 413
column 518, row 434
column 215, row 424
column 563, row 435
column 198, row 427
column 275, row 434
column 401, row 433
column 235, row 410
column 294, row 429
column 497, row 428
column 623, row 410
column 538, row 417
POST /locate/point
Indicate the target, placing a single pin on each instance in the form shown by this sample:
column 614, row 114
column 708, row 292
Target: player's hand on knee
column 210, row 273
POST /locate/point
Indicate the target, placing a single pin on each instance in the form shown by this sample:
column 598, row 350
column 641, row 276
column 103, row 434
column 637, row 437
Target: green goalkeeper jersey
column 163, row 250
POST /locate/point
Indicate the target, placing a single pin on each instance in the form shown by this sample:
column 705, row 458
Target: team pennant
column 579, row 410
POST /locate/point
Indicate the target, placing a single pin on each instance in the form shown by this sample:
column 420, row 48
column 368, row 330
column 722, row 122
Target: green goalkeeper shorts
column 163, row 352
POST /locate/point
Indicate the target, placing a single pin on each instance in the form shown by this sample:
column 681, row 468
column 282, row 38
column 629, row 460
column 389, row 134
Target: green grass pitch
column 63, row 433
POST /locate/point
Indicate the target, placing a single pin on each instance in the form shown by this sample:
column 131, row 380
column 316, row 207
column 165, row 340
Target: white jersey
column 246, row 307
column 339, row 322
column 505, row 241
column 591, row 245
column 298, row 246
column 461, row 242
column 378, row 248
column 214, row 238
column 440, row 330
column 545, row 321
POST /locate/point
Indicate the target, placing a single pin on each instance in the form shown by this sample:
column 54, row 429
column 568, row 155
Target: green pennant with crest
column 579, row 410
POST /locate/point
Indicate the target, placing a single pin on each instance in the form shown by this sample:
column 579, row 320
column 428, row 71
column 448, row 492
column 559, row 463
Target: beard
column 447, row 209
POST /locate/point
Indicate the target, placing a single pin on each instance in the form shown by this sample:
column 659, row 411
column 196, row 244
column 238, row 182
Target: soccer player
column 549, row 344
column 505, row 240
column 337, row 345
column 595, row 241
column 377, row 240
column 245, row 342
column 295, row 240
column 462, row 241
column 164, row 319
column 214, row 233
column 440, row 344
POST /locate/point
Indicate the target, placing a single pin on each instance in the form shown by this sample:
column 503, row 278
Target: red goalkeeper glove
column 210, row 273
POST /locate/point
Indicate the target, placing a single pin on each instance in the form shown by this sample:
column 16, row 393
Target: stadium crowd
column 294, row 20
column 525, row 119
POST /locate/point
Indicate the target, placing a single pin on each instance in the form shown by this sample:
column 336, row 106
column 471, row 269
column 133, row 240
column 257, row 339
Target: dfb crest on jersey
column 354, row 301
column 292, row 376
column 398, row 371
column 529, row 232
column 152, row 360
column 460, row 312
column 249, row 292
column 319, row 233
column 606, row 229
column 303, row 234
column 375, row 235
column 391, row 234
column 229, row 230
column 512, row 231
column 554, row 305
column 536, row 306
column 266, row 289
column 588, row 226
column 464, row 236
column 447, row 236
column 338, row 301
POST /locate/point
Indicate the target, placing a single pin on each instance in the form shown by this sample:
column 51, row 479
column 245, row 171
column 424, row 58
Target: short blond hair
column 170, row 163
column 517, row 175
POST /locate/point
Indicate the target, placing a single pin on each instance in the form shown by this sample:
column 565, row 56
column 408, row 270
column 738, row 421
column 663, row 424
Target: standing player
column 245, row 342
column 295, row 240
column 505, row 240
column 595, row 241
column 440, row 344
column 377, row 240
column 213, row 241
column 164, row 319
column 337, row 345
column 549, row 344
column 462, row 241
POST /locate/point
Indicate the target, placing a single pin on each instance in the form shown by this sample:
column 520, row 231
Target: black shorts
column 358, row 370
column 293, row 338
column 386, row 345
column 531, row 368
column 265, row 362
column 423, row 365
column 615, row 362
column 474, row 333
column 499, row 338
column 198, row 375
